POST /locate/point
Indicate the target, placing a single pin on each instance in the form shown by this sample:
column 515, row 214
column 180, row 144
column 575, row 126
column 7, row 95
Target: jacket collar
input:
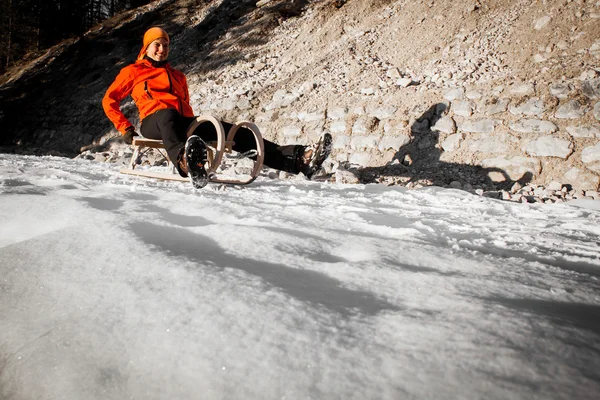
column 151, row 63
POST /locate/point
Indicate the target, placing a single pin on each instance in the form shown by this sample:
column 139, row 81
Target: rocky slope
column 466, row 93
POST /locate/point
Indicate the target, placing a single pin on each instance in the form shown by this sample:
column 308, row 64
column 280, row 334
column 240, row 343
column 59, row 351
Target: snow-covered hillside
column 113, row 287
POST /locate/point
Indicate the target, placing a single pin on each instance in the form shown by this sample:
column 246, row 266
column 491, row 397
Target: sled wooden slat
column 216, row 150
column 151, row 143
column 155, row 175
column 216, row 179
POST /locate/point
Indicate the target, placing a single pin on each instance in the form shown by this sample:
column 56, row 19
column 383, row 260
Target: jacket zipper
column 170, row 82
column 146, row 89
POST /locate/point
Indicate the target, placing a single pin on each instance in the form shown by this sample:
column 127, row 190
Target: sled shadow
column 420, row 160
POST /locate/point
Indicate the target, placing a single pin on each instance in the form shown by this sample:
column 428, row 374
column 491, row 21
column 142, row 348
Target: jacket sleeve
column 117, row 91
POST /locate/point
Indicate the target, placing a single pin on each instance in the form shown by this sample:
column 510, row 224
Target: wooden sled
column 216, row 152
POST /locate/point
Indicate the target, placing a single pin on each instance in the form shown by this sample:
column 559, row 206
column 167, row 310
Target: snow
column 117, row 287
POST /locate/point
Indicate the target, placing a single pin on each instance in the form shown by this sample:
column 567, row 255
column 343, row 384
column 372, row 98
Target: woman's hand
column 129, row 135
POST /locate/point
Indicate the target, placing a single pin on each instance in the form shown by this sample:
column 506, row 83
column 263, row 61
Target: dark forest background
column 30, row 26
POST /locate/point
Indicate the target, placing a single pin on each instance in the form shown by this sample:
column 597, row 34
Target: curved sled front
column 260, row 154
column 214, row 160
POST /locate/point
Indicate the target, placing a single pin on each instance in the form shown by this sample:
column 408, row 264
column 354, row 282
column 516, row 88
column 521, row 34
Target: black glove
column 129, row 135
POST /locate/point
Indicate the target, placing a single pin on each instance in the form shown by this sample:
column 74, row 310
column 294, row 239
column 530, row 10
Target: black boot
column 181, row 163
column 310, row 161
column 195, row 159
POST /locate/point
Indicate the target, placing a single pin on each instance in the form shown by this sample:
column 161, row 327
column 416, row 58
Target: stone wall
column 549, row 132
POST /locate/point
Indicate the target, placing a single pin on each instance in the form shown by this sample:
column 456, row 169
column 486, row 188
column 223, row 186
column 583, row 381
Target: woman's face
column 158, row 50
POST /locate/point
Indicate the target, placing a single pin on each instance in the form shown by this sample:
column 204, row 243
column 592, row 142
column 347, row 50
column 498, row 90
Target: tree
column 6, row 10
column 30, row 26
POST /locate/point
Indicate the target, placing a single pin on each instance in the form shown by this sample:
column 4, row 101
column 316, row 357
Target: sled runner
column 216, row 151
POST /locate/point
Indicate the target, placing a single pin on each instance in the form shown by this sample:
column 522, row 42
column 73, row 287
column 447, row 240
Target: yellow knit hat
column 150, row 36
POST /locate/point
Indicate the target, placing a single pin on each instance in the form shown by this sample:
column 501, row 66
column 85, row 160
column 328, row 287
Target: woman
column 161, row 95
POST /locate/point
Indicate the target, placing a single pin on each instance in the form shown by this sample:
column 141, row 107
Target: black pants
column 171, row 127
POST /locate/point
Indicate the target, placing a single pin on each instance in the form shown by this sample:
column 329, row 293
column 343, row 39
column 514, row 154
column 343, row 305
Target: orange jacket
column 151, row 88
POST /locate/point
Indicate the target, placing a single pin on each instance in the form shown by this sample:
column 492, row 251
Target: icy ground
column 116, row 287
